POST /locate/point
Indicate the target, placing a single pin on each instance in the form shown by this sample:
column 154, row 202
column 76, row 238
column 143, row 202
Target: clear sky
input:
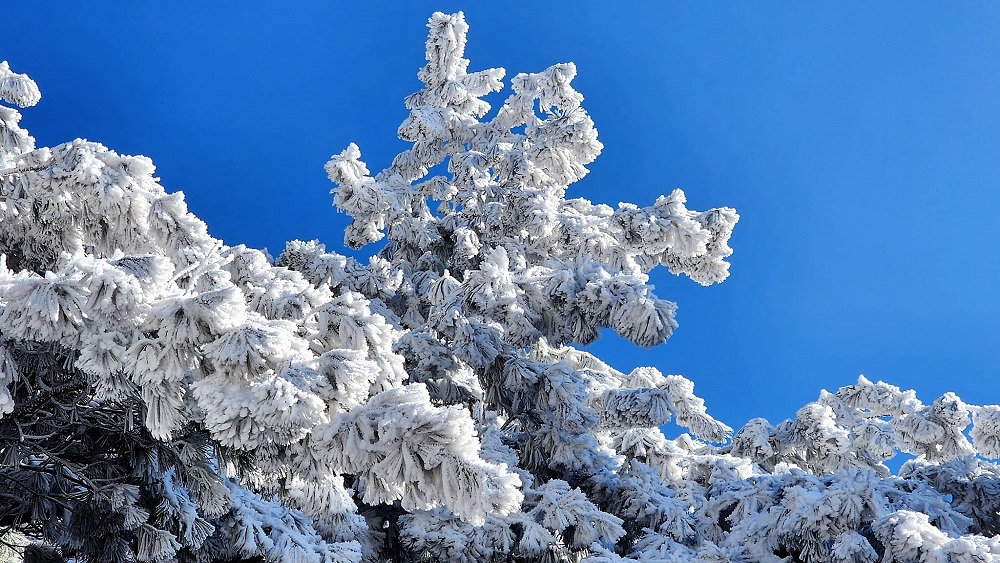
column 859, row 141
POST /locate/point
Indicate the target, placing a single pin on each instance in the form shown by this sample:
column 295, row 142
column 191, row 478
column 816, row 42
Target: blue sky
column 860, row 143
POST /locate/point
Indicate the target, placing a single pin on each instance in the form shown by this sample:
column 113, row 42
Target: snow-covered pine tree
column 168, row 398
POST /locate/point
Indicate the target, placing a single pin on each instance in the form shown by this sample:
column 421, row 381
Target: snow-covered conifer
column 165, row 397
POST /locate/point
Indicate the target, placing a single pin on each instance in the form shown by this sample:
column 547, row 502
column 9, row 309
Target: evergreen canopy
column 166, row 397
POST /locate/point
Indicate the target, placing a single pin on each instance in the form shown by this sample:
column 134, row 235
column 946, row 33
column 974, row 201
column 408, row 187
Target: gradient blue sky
column 859, row 141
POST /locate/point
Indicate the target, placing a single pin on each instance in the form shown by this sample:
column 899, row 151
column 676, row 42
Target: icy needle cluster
column 164, row 397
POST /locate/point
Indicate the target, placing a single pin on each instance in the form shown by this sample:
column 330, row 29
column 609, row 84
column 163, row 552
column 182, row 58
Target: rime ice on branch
column 250, row 410
column 168, row 398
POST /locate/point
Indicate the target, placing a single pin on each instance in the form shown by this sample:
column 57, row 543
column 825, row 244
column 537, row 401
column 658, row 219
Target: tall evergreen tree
column 169, row 398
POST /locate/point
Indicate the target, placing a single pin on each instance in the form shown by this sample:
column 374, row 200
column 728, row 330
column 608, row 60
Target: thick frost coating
column 164, row 397
column 495, row 276
column 228, row 375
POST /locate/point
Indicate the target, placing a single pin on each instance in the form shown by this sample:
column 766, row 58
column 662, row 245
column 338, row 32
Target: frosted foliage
column 986, row 431
column 124, row 288
column 16, row 88
column 21, row 91
column 432, row 448
column 8, row 376
column 166, row 397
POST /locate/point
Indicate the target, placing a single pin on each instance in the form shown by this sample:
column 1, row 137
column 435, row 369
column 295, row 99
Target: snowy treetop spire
column 504, row 196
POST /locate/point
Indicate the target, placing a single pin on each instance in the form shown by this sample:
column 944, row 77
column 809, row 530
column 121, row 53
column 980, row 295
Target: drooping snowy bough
column 168, row 398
